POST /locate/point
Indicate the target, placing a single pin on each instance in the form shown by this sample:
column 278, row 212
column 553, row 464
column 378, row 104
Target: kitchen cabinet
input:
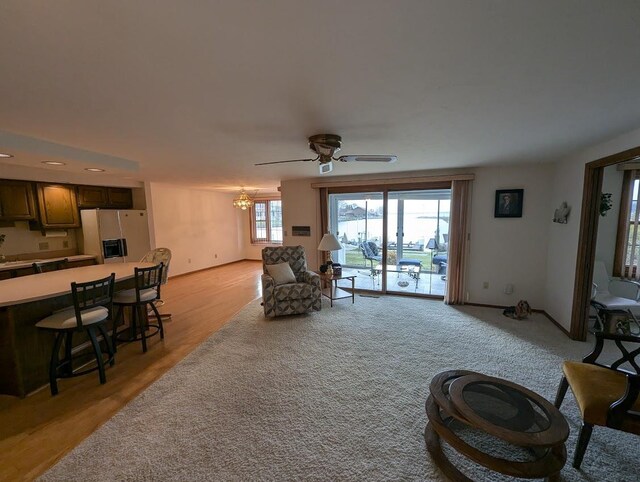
column 58, row 206
column 90, row 197
column 16, row 201
column 120, row 198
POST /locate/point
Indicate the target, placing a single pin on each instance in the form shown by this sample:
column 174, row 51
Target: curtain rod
column 393, row 180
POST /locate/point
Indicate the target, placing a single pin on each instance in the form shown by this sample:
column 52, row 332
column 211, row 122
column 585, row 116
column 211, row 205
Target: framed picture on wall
column 509, row 203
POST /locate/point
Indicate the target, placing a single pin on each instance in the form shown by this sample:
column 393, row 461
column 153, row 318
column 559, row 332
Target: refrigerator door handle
column 124, row 247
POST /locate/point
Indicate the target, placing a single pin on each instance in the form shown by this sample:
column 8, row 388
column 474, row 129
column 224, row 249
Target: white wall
column 608, row 224
column 509, row 250
column 567, row 185
column 301, row 207
column 502, row 251
column 196, row 225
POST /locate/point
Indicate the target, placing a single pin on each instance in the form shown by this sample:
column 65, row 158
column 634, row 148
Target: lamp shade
column 329, row 243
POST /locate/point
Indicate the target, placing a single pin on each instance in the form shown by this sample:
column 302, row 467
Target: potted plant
column 605, row 203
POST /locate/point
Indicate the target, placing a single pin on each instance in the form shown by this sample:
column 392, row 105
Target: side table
column 496, row 423
column 333, row 292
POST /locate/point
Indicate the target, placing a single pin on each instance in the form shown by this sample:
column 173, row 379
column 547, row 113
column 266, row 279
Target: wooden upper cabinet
column 104, row 197
column 120, row 197
column 16, row 201
column 58, row 206
column 92, row 197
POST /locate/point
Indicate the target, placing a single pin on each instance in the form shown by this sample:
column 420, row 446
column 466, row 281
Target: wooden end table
column 477, row 414
column 333, row 292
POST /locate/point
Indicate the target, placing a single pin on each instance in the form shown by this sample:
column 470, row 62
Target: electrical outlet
column 65, row 244
column 485, row 285
column 43, row 246
column 508, row 289
column 189, row 260
column 215, row 256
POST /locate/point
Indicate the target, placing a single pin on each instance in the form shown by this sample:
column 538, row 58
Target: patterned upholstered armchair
column 292, row 298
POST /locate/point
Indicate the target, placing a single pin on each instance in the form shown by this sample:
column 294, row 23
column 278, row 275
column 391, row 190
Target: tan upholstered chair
column 292, row 298
column 607, row 395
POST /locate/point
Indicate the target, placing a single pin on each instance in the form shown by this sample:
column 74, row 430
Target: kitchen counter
column 24, row 349
column 10, row 265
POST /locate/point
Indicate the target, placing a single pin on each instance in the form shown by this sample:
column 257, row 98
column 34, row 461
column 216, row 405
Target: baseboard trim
column 542, row 312
column 212, row 267
column 552, row 320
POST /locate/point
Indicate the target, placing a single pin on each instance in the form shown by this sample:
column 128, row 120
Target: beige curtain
column 324, row 220
column 458, row 239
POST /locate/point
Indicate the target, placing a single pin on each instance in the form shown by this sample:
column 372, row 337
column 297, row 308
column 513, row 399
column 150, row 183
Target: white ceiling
column 197, row 92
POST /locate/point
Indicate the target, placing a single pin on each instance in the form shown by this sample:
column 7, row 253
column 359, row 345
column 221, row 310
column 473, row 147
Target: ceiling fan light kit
column 326, row 146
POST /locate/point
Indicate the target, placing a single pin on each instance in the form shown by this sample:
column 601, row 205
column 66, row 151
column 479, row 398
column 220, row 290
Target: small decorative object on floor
column 518, row 312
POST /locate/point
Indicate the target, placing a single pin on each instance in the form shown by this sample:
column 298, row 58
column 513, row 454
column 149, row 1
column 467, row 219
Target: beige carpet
column 335, row 395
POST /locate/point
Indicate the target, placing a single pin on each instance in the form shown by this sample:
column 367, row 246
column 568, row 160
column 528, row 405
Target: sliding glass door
column 414, row 224
column 418, row 235
column 357, row 220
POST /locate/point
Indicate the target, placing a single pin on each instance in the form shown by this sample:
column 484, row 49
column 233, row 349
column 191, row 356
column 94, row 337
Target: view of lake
column 418, row 228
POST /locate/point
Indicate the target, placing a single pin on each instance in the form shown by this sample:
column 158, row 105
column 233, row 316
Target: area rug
column 333, row 395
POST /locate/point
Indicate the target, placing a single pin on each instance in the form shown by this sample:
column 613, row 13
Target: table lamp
column 329, row 243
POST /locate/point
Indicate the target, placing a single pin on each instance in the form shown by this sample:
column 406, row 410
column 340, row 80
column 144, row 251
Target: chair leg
column 53, row 364
column 114, row 334
column 96, row 349
column 140, row 317
column 157, row 315
column 107, row 342
column 562, row 391
column 583, row 441
column 68, row 344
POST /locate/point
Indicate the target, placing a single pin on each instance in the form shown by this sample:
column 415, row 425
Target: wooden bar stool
column 159, row 255
column 92, row 305
column 140, row 299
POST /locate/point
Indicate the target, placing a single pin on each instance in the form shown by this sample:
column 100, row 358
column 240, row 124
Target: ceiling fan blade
column 280, row 162
column 367, row 158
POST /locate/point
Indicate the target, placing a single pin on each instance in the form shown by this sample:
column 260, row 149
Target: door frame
column 587, row 239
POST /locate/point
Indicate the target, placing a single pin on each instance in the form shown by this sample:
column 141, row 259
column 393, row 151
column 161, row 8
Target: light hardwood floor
column 37, row 431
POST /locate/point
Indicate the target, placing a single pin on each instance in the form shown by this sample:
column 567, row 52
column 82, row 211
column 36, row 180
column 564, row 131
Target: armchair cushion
column 594, row 403
column 595, row 388
column 281, row 273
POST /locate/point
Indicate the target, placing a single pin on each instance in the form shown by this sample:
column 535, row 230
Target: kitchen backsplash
column 19, row 240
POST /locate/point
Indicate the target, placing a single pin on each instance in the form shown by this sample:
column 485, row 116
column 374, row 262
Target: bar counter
column 25, row 350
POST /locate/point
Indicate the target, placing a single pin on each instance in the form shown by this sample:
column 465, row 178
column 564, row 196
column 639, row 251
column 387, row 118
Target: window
column 266, row 222
column 627, row 256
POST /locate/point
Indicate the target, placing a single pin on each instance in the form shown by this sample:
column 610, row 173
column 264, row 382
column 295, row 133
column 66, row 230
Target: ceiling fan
column 326, row 146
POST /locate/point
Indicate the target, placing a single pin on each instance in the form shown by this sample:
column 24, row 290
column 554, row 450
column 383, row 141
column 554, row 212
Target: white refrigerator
column 114, row 235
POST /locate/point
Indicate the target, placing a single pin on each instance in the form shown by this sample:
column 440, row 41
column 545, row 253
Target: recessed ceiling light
column 93, row 169
column 5, row 155
column 54, row 163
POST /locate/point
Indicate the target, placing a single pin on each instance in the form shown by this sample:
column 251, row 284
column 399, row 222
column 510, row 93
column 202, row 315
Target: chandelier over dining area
column 243, row 202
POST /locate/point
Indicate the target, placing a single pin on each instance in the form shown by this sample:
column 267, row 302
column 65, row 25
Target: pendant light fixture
column 243, row 202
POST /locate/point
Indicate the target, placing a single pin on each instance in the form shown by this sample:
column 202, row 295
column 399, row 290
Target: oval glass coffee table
column 496, row 423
